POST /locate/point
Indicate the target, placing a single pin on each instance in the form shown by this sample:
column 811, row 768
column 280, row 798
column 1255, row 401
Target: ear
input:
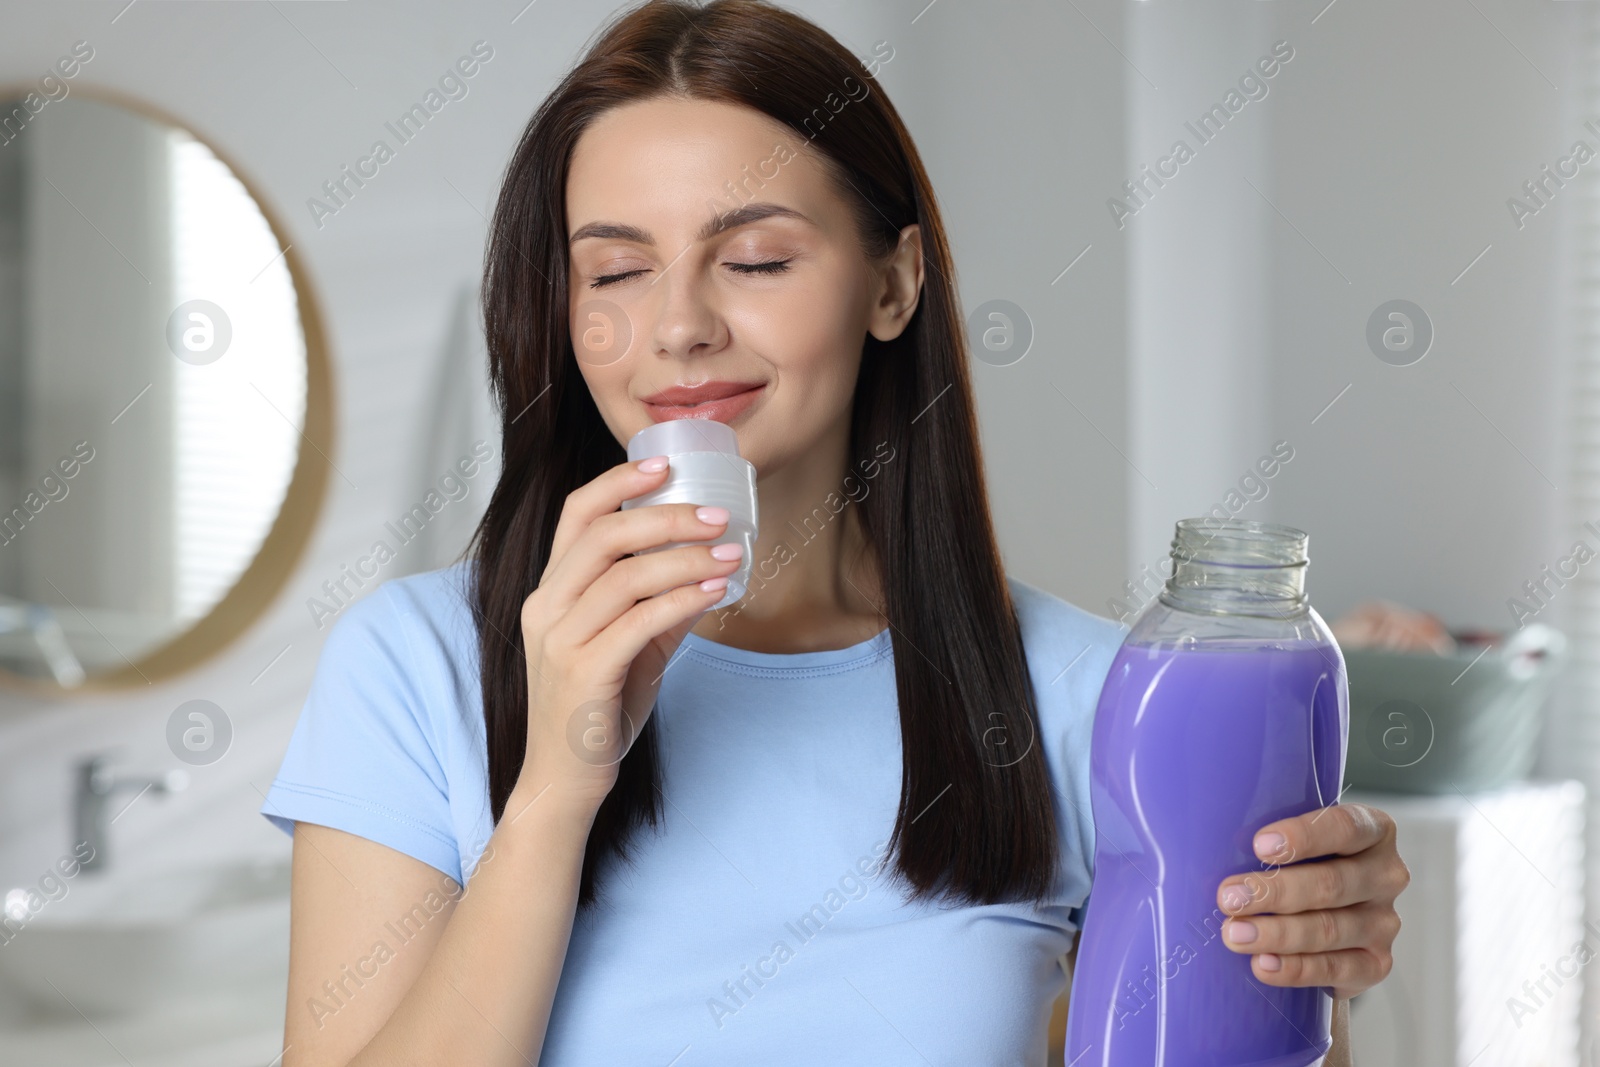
column 899, row 287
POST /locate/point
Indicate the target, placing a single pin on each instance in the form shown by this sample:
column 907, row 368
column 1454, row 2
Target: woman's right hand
column 598, row 636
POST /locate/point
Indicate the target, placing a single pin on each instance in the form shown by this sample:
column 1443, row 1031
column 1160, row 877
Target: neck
column 814, row 582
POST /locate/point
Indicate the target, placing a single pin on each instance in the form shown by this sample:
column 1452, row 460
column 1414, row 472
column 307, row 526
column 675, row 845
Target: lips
column 719, row 400
column 688, row 395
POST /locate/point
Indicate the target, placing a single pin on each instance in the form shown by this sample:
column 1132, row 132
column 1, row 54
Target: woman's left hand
column 1331, row 923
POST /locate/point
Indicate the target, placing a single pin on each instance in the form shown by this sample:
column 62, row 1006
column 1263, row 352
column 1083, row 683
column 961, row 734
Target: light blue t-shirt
column 752, row 926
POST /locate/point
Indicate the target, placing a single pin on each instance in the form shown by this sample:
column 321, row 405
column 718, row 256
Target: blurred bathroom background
column 240, row 350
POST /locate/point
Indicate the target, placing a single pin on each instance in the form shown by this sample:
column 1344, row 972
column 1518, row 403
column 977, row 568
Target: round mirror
column 164, row 395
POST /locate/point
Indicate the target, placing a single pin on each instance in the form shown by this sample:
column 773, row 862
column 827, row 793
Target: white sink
column 115, row 943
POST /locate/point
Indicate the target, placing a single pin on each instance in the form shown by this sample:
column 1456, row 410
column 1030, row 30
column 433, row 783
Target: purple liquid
column 1193, row 752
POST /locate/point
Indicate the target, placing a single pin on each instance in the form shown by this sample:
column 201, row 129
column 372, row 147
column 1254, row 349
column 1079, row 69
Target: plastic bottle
column 707, row 470
column 1226, row 708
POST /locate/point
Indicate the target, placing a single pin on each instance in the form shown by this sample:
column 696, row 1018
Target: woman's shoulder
column 1070, row 651
column 404, row 659
column 414, row 620
column 388, row 745
column 437, row 599
column 1064, row 642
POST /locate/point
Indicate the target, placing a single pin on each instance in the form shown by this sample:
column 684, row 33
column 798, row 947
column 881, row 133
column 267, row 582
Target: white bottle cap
column 676, row 436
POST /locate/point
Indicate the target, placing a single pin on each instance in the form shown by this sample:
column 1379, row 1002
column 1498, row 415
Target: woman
column 846, row 818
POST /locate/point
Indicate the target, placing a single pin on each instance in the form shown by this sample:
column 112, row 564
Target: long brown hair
column 976, row 822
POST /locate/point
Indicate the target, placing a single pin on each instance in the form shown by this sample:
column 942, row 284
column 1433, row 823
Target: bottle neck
column 1237, row 567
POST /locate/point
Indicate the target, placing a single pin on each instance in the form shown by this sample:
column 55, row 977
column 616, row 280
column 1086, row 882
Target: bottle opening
column 1239, row 542
column 1237, row 566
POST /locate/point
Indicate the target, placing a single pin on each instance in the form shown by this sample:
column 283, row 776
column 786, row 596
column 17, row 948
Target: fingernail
column 1235, row 897
column 711, row 585
column 1269, row 962
column 1269, row 844
column 1241, row 932
column 653, row 464
column 712, row 516
column 727, row 552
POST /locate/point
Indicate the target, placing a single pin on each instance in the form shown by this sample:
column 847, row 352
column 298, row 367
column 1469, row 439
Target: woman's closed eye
column 776, row 266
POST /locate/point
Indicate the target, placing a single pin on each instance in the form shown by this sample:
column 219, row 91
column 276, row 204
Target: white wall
column 1018, row 109
column 1199, row 352
column 1427, row 484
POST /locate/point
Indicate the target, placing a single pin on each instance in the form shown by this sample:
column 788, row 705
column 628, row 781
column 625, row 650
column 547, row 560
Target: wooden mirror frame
column 258, row 587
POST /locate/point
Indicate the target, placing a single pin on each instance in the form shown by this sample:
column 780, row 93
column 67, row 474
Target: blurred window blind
column 1571, row 747
column 239, row 417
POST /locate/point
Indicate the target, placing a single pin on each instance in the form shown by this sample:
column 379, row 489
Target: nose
column 685, row 315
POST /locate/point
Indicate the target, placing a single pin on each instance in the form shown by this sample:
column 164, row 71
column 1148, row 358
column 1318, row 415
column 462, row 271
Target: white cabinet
column 1489, row 964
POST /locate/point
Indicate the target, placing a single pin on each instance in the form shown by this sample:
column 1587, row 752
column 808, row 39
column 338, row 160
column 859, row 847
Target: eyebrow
column 727, row 220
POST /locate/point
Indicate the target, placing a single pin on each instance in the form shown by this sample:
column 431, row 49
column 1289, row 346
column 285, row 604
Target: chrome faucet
column 92, row 791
